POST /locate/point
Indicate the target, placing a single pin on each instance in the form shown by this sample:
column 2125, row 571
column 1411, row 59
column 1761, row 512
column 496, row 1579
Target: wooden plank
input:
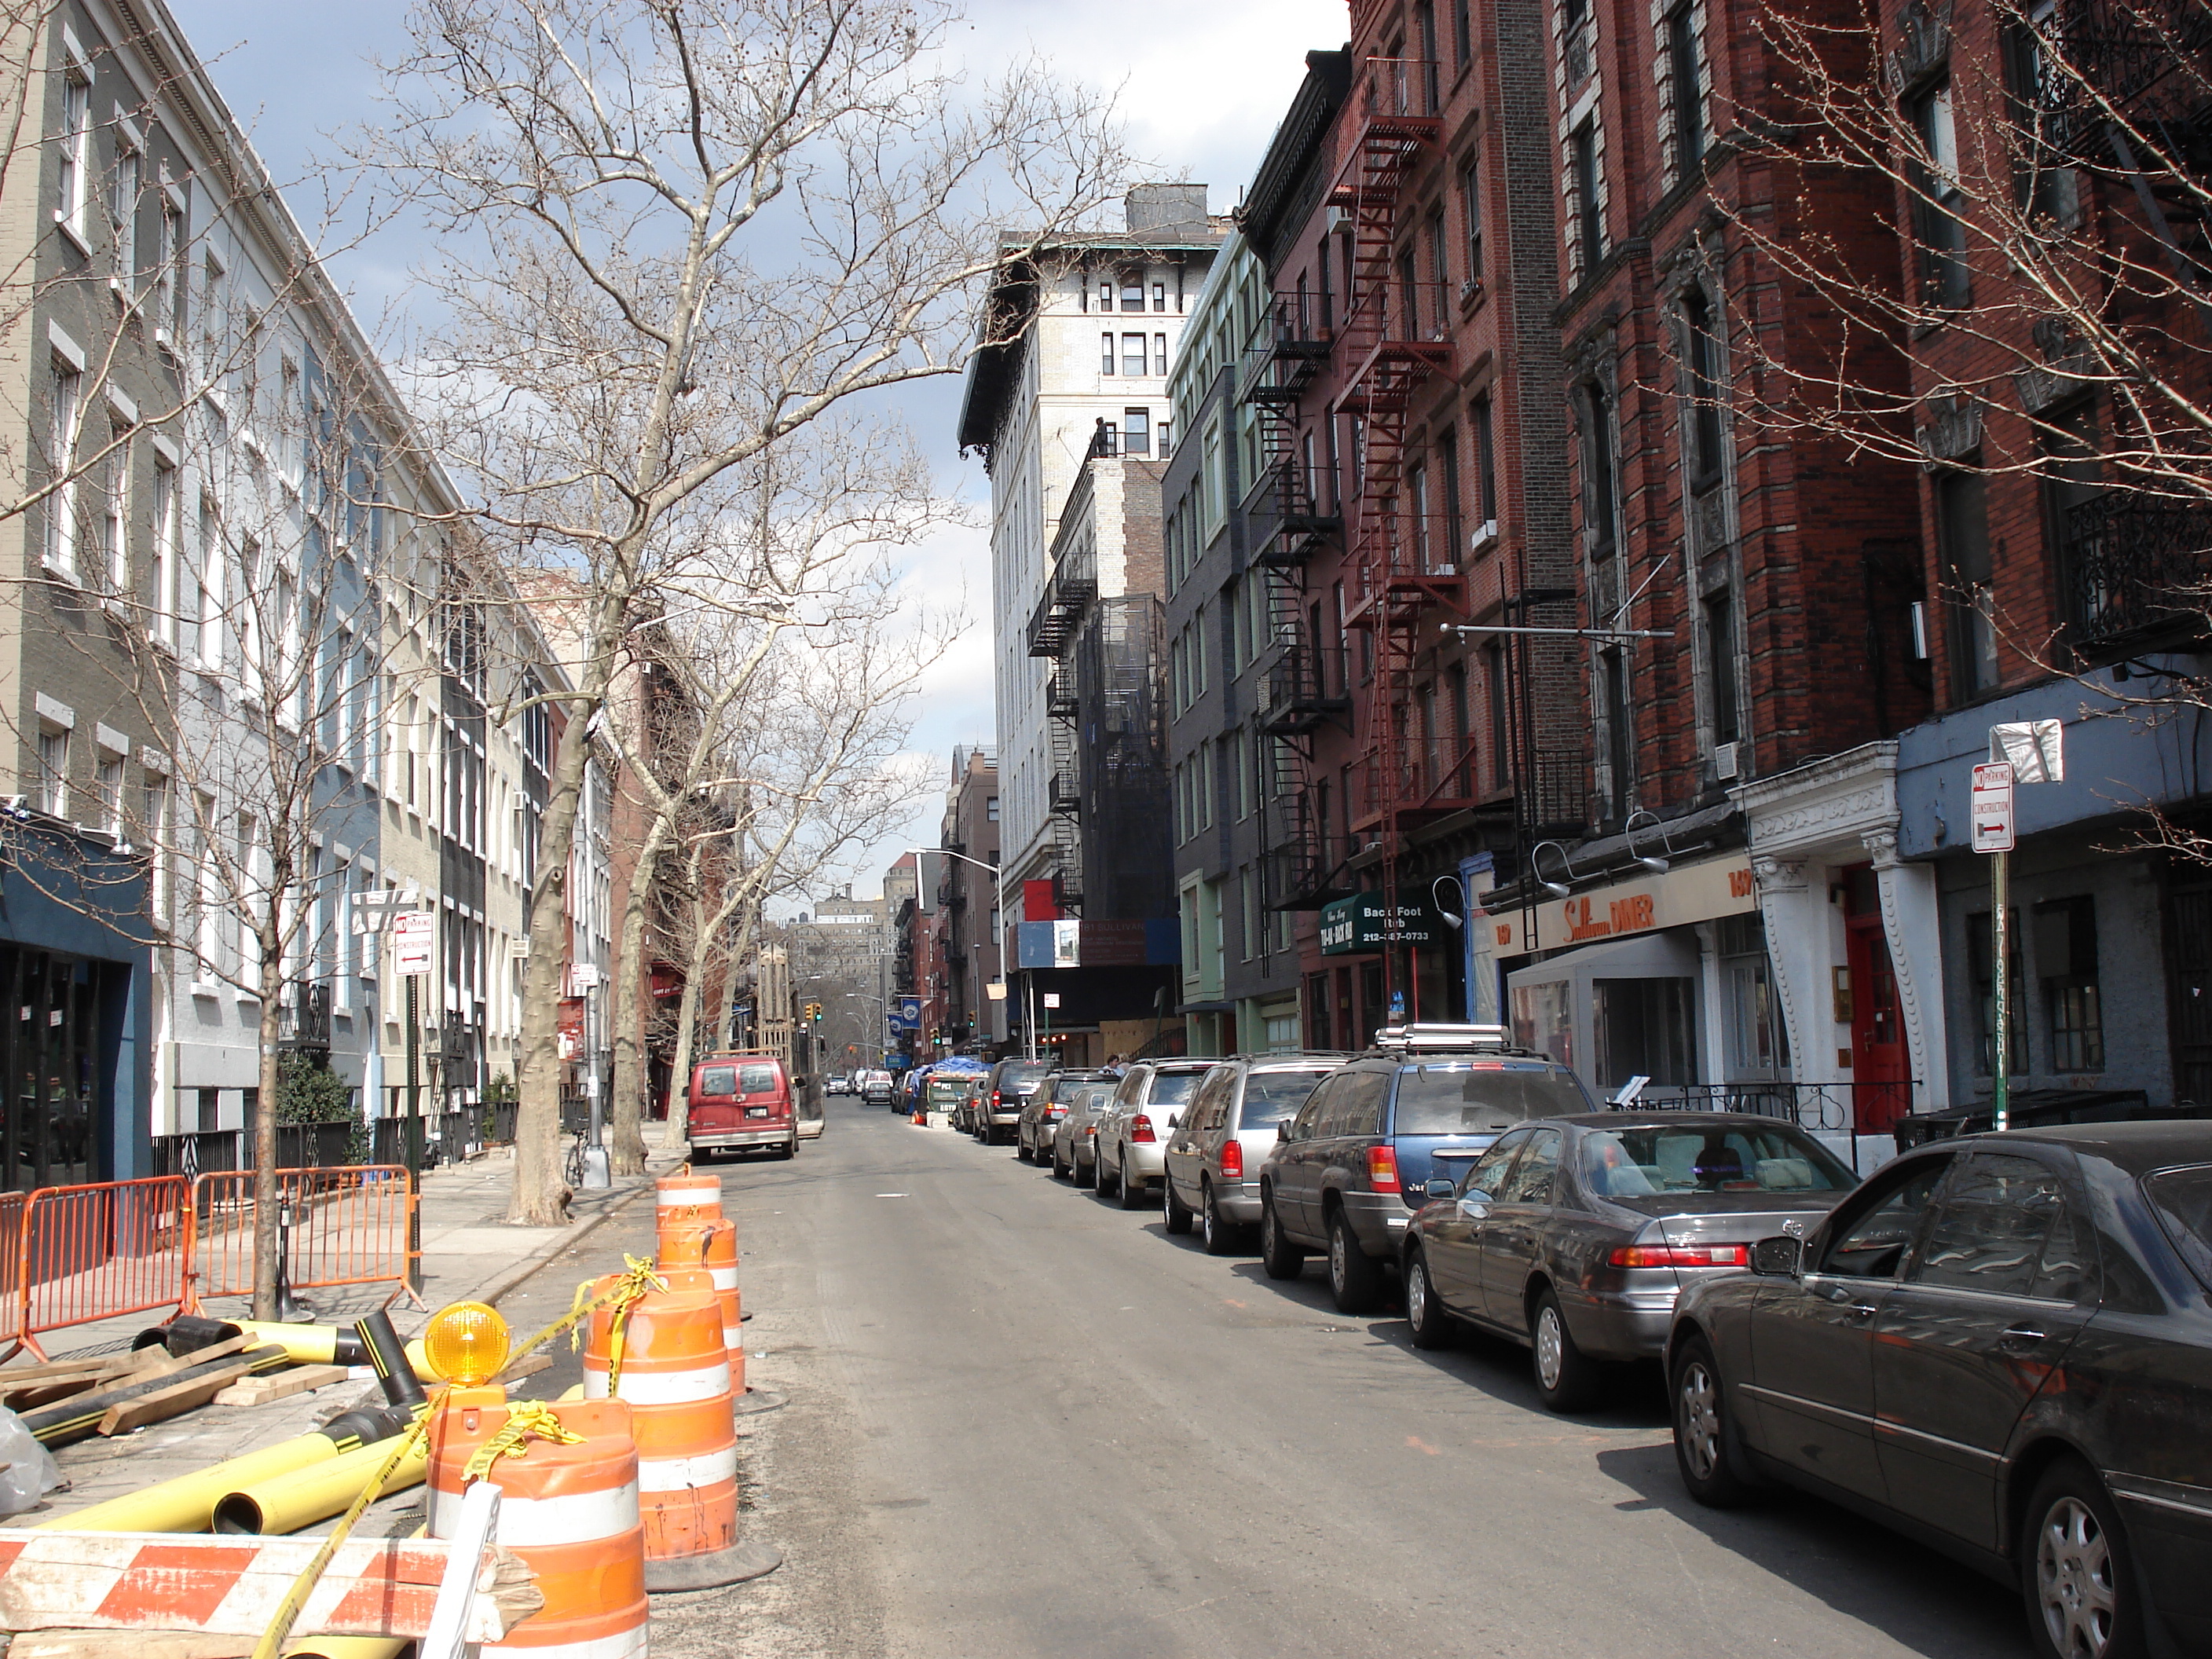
column 529, row 1365
column 260, row 1390
column 173, row 1401
column 144, row 1644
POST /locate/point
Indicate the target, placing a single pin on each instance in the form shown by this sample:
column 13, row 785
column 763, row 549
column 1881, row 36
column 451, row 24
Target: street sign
column 1991, row 810
column 2035, row 750
column 583, row 975
column 414, row 942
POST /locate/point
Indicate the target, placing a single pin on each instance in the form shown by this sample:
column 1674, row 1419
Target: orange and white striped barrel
column 676, row 1381
column 687, row 1197
column 570, row 1511
column 712, row 1246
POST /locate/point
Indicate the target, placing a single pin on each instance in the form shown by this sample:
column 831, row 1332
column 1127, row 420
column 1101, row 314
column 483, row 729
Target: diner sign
column 1696, row 892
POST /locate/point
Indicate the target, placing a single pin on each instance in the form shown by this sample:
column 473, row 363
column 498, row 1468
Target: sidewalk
column 469, row 1253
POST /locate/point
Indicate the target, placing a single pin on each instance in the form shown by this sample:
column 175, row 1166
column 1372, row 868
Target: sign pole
column 2000, row 1064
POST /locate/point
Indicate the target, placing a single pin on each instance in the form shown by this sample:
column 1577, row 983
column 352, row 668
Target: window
column 1106, row 297
column 991, row 810
column 1455, row 682
column 1938, row 201
column 1589, row 211
column 209, row 647
column 153, row 830
column 169, row 308
column 1105, row 354
column 1133, row 355
column 1418, row 492
column 1470, row 208
column 1424, row 31
column 2066, row 959
column 1133, row 292
column 115, row 513
column 124, row 184
column 108, row 790
column 1453, row 532
column 2003, row 1227
column 1159, row 296
column 1159, row 353
column 1534, row 1170
column 2048, row 188
column 1756, row 1039
column 1707, row 456
column 1109, row 440
column 1136, row 432
column 60, row 450
column 167, row 506
column 52, row 796
column 76, row 148
column 2074, row 478
column 1962, row 534
column 1644, row 1029
column 1722, row 680
column 1575, row 32
column 1501, row 749
column 1620, row 731
column 1685, row 96
column 1462, row 34
column 1485, row 465
column 1600, row 505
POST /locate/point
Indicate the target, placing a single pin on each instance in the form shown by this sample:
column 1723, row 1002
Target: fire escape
column 1403, row 567
column 1303, row 689
column 2125, row 95
column 1053, row 630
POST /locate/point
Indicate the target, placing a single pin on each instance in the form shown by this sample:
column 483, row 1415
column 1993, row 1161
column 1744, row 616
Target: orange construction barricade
column 684, row 1196
column 567, row 1507
column 97, row 1250
column 712, row 1246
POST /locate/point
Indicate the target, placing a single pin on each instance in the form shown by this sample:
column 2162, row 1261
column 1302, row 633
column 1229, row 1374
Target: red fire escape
column 1404, row 566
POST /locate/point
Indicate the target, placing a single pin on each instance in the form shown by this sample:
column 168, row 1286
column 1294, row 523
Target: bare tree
column 674, row 233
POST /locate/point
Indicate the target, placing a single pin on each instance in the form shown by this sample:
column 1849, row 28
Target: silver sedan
column 1075, row 1137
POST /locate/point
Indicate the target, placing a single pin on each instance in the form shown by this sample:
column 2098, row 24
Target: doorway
column 1881, row 1064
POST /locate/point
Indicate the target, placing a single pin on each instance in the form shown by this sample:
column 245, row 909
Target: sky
column 1202, row 85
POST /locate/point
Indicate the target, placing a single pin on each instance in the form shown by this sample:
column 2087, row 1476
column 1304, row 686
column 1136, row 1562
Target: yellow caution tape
column 530, row 1420
column 625, row 1293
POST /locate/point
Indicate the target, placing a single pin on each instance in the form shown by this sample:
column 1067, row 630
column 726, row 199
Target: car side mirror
column 1781, row 1257
column 1440, row 1186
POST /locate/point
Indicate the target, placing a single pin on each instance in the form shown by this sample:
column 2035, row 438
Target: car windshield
column 2183, row 1199
column 718, row 1081
column 1687, row 1158
column 756, row 1079
column 1173, row 1088
column 1020, row 1078
column 1271, row 1097
column 1459, row 1097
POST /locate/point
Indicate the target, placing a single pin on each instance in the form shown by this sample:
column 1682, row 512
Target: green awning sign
column 1363, row 923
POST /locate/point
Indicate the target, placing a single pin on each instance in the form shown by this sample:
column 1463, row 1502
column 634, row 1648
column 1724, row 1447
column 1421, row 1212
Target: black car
column 1005, row 1091
column 1574, row 1235
column 2001, row 1345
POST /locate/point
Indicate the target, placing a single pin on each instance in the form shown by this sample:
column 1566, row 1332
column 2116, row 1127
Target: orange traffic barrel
column 684, row 1196
column 712, row 1247
column 570, row 1510
column 676, row 1381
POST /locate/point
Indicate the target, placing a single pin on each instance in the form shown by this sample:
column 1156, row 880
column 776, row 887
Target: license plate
column 755, row 1111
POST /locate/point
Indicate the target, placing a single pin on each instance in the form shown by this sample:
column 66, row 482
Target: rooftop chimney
column 1156, row 208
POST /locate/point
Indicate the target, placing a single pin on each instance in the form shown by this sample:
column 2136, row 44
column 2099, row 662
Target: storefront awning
column 1673, row 899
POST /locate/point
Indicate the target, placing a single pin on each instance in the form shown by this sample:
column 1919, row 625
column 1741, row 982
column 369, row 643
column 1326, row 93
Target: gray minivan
column 1349, row 1169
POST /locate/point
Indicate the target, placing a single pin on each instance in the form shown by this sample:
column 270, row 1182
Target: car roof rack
column 1424, row 1038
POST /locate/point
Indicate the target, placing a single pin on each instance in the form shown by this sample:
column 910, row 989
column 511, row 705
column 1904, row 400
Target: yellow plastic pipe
column 286, row 1502
column 346, row 1647
column 187, row 1503
column 315, row 1345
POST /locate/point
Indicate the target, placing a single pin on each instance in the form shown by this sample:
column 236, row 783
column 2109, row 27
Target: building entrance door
column 50, row 1056
column 1880, row 1065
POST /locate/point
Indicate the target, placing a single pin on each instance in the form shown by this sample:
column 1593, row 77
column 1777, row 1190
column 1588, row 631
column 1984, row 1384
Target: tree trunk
column 632, row 969
column 541, row 1197
column 265, row 1217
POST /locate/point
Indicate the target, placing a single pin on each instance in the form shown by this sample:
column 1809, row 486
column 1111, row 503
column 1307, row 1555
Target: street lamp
column 999, row 903
column 881, row 1002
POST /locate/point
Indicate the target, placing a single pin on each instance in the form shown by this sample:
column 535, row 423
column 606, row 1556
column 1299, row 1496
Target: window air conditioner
column 1724, row 761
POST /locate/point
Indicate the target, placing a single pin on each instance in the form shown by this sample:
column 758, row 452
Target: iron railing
column 1298, row 694
column 2138, row 570
column 197, row 1151
column 1854, row 1108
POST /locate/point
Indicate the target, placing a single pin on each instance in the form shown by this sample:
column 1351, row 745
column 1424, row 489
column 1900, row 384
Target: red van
column 741, row 1104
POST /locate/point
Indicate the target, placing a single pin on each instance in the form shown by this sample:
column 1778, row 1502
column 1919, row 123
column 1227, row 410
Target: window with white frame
column 163, row 569
column 1133, row 355
column 169, row 265
column 1105, row 354
column 108, row 785
column 208, row 646
column 115, row 513
column 125, row 181
column 76, row 146
column 63, row 417
column 154, row 829
column 52, row 794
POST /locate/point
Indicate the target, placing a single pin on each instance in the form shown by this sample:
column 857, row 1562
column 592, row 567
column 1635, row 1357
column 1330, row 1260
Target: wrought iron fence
column 1831, row 1108
column 197, row 1151
column 303, row 1145
column 2138, row 568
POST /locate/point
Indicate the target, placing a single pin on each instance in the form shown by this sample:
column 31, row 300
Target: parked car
column 837, row 1083
column 740, row 1103
column 1575, row 1235
column 1130, row 1142
column 876, row 1089
column 1044, row 1108
column 1074, row 1138
column 1347, row 1171
column 1214, row 1153
column 1006, row 1090
column 2002, row 1347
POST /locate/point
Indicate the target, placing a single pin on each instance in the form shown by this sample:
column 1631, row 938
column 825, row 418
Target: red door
column 1880, row 1066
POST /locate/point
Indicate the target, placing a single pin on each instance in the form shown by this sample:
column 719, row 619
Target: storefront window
column 1645, row 1029
column 53, row 1062
column 2066, row 959
column 1540, row 1020
column 1758, row 1046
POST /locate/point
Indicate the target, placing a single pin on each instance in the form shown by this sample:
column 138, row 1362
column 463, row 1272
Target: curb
column 531, row 1265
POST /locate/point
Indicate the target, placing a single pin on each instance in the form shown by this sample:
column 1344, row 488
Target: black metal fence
column 299, row 1146
column 1829, row 1107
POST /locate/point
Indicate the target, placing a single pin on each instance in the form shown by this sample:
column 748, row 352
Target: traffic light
column 814, row 1012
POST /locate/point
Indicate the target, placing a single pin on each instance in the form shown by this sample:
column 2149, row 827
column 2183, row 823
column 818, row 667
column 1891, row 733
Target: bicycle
column 573, row 1171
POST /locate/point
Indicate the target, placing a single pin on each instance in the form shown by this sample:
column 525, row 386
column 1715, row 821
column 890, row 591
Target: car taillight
column 1679, row 1255
column 1056, row 1111
column 997, row 1100
column 1383, row 1169
column 1140, row 1128
column 1232, row 1161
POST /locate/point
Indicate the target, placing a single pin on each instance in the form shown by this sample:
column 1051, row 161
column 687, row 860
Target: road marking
column 1419, row 1444
column 1232, row 1302
column 884, row 1195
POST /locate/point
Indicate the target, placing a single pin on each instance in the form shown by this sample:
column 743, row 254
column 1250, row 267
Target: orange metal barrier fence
column 98, row 1250
column 347, row 1227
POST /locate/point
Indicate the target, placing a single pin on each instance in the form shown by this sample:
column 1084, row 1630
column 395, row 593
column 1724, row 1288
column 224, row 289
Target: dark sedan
column 1575, row 1235
column 2002, row 1346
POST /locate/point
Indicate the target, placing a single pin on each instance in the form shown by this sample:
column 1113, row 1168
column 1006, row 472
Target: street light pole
column 998, row 903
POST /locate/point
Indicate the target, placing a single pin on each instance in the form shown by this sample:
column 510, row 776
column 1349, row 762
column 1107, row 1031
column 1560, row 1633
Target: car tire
column 1222, row 1237
column 1180, row 1216
column 1566, row 1380
column 2076, row 1573
column 1021, row 1148
column 788, row 1151
column 1707, row 1452
column 1281, row 1258
column 1430, row 1324
column 1130, row 1193
column 1059, row 1171
column 1355, row 1279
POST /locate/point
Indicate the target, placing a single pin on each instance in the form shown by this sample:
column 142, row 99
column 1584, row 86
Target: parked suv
column 1213, row 1155
column 1132, row 1132
column 1008, row 1088
column 1347, row 1172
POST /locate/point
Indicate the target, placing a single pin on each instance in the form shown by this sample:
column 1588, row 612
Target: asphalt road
column 1020, row 1421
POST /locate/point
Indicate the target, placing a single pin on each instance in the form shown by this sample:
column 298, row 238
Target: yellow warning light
column 466, row 1343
